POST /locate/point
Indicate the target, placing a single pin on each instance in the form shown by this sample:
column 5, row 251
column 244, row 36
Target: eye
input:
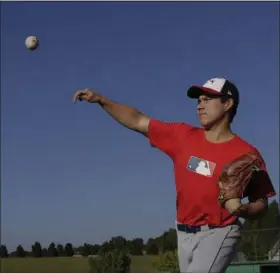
column 205, row 100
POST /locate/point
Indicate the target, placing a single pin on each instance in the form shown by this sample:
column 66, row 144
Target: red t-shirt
column 197, row 166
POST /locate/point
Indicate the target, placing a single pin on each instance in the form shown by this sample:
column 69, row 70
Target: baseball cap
column 215, row 87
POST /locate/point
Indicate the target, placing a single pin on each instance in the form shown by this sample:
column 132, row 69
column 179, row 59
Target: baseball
column 31, row 42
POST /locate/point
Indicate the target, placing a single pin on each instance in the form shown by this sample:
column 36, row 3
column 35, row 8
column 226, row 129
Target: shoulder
column 244, row 146
column 168, row 136
column 177, row 128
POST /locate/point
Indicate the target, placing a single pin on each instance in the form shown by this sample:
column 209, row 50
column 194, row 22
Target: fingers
column 79, row 95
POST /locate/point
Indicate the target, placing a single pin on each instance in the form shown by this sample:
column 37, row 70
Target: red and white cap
column 215, row 87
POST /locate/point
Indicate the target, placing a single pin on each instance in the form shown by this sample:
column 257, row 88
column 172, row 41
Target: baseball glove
column 236, row 176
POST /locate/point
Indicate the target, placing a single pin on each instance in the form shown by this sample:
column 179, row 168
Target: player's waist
column 200, row 228
column 195, row 229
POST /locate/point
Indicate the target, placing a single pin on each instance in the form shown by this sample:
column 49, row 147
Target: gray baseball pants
column 208, row 251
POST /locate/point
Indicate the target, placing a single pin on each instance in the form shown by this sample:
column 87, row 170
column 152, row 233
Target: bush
column 168, row 263
column 110, row 262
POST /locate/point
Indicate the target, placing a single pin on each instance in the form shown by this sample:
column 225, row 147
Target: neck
column 220, row 132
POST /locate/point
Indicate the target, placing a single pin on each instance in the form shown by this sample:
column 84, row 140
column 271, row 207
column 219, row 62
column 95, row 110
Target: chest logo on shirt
column 201, row 166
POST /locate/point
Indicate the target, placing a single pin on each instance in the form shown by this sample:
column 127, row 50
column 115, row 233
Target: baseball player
column 207, row 233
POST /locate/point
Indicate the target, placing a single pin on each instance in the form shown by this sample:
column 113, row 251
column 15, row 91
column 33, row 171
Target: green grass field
column 67, row 265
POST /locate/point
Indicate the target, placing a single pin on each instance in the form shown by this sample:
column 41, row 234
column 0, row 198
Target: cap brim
column 195, row 91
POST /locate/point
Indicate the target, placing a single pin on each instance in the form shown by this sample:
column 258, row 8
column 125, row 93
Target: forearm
column 252, row 211
column 124, row 114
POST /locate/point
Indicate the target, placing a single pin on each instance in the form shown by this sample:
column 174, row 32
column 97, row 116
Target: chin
column 204, row 123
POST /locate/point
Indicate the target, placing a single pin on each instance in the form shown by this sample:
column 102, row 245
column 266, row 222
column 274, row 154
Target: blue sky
column 72, row 174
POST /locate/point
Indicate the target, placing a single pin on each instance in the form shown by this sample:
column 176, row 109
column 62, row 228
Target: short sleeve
column 166, row 135
column 261, row 185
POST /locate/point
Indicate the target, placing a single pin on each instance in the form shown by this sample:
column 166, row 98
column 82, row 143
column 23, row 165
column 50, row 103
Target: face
column 211, row 110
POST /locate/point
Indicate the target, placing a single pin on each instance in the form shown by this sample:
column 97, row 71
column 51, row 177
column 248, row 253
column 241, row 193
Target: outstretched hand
column 86, row 95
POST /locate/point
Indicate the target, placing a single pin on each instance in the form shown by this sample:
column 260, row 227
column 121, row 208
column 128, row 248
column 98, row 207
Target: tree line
column 258, row 237
column 134, row 247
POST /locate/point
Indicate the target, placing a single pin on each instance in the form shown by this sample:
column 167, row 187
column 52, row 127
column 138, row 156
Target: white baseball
column 31, row 42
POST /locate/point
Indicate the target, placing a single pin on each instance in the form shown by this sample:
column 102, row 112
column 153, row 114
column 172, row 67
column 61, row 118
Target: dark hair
column 233, row 110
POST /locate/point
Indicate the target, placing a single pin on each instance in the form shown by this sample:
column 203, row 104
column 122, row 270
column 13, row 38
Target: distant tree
column 86, row 250
column 169, row 240
column 94, row 249
column 45, row 252
column 136, row 246
column 118, row 243
column 4, row 251
column 105, row 247
column 37, row 250
column 69, row 250
column 52, row 251
column 20, row 252
column 13, row 254
column 151, row 247
column 60, row 250
column 79, row 250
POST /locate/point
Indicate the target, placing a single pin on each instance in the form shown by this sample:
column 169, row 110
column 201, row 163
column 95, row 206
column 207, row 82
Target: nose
column 200, row 105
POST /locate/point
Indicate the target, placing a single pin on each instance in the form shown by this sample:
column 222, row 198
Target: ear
column 228, row 104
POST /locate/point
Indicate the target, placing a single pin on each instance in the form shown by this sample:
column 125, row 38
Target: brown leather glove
column 236, row 176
